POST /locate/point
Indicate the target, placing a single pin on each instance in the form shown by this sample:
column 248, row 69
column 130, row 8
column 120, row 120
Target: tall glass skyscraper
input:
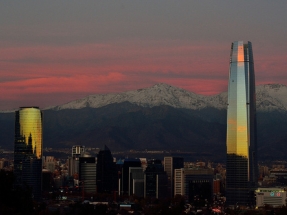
column 28, row 148
column 241, row 163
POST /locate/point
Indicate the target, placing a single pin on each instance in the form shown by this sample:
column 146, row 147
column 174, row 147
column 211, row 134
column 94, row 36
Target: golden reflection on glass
column 241, row 160
column 30, row 120
column 237, row 132
column 240, row 53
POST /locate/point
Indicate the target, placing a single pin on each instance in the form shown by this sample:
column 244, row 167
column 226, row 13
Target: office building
column 155, row 180
column 49, row 163
column 241, row 163
column 107, row 173
column 87, row 174
column 78, row 151
column 170, row 164
column 125, row 171
column 136, row 181
column 73, row 162
column 28, row 147
column 194, row 183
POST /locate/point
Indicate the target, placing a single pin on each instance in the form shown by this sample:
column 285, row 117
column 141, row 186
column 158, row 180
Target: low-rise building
column 275, row 197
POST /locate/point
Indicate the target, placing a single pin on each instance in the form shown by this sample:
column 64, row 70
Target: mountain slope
column 269, row 97
column 159, row 94
column 129, row 126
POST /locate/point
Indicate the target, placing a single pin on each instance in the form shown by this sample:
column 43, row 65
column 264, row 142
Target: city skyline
column 53, row 53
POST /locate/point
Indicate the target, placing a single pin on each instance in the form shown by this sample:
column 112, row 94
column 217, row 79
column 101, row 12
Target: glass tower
column 241, row 163
column 28, row 146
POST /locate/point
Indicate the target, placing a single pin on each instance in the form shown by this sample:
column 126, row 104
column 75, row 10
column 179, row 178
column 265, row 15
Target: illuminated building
column 241, row 163
column 28, row 149
column 275, row 197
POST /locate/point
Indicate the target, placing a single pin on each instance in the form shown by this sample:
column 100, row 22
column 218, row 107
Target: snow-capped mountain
column 269, row 97
column 159, row 94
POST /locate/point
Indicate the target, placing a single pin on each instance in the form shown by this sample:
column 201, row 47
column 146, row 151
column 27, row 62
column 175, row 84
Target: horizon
column 55, row 52
column 52, row 106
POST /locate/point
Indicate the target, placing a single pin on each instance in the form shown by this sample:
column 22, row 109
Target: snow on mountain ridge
column 269, row 97
column 159, row 94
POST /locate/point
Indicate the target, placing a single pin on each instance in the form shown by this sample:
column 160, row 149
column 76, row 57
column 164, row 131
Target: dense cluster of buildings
column 133, row 177
column 156, row 178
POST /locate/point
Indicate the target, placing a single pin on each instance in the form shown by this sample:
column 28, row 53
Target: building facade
column 136, row 181
column 241, row 163
column 155, row 180
column 170, row 164
column 77, row 152
column 87, row 174
column 124, row 178
column 194, row 183
column 28, row 149
column 107, row 173
column 275, row 197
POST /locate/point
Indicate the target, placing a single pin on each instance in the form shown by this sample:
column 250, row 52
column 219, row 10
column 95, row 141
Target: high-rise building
column 136, row 181
column 124, row 181
column 78, row 151
column 87, row 174
column 107, row 173
column 155, row 180
column 28, row 147
column 241, row 163
column 170, row 164
column 73, row 162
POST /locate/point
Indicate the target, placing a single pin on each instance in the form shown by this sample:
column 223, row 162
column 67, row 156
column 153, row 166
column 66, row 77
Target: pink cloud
column 67, row 72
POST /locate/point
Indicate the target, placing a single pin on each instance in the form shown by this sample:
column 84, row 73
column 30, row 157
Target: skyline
column 55, row 52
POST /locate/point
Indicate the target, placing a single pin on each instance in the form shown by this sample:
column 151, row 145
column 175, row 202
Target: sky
column 53, row 52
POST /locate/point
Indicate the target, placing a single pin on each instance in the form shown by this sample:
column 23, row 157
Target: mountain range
column 161, row 117
column 269, row 97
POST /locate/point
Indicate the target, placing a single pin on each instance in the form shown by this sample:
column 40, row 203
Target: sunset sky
column 52, row 52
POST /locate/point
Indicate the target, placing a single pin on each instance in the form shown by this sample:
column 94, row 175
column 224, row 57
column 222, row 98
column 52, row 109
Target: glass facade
column 28, row 130
column 241, row 166
column 28, row 146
